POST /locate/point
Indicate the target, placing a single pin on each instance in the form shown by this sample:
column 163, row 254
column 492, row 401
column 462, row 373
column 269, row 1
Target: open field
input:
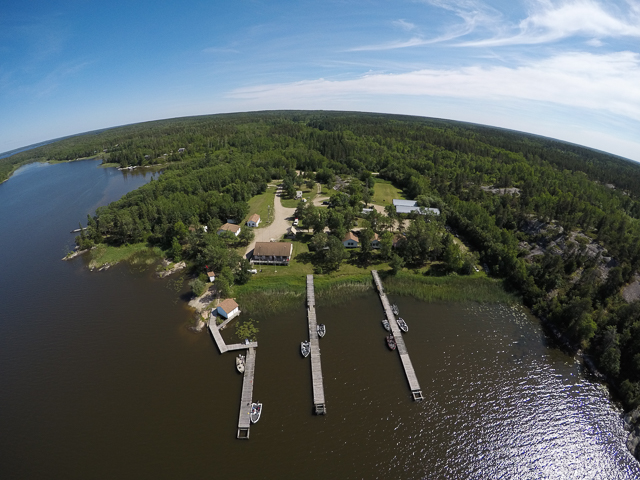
column 260, row 204
column 384, row 192
column 105, row 254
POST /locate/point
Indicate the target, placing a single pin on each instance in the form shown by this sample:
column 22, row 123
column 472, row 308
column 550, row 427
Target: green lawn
column 384, row 192
column 260, row 204
column 104, row 254
column 308, row 193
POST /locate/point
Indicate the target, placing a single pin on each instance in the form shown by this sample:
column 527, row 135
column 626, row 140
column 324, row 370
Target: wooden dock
column 416, row 392
column 217, row 337
column 314, row 341
column 244, row 417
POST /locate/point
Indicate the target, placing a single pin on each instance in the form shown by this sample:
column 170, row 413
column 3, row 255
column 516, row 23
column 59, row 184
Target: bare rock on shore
column 175, row 268
column 200, row 303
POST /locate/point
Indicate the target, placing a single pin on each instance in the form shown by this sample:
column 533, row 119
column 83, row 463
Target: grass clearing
column 384, row 192
column 260, row 204
column 308, row 193
column 137, row 253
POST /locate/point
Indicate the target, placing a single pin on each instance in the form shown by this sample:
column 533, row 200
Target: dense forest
column 558, row 222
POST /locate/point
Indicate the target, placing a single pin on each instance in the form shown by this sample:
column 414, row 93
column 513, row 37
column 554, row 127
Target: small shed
column 212, row 275
column 254, row 220
column 350, row 240
column 228, row 308
column 299, row 194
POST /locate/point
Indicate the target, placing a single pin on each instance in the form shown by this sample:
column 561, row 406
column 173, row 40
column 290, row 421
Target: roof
column 350, row 236
column 211, row 273
column 254, row 218
column 228, row 305
column 230, row 227
column 404, row 203
column 422, row 210
column 273, row 249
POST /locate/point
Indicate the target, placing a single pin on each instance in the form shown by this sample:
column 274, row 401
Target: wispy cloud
column 549, row 22
column 404, row 25
column 607, row 83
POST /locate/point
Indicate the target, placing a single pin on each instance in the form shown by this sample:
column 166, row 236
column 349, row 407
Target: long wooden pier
column 244, row 417
column 416, row 392
column 314, row 341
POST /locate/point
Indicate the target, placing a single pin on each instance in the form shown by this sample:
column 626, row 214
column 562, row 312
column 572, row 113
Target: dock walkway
column 314, row 341
column 244, row 417
column 416, row 392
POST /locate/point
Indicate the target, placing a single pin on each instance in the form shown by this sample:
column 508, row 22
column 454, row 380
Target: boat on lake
column 321, row 329
column 240, row 363
column 395, row 309
column 256, row 411
column 385, row 324
column 403, row 325
column 391, row 342
column 305, row 348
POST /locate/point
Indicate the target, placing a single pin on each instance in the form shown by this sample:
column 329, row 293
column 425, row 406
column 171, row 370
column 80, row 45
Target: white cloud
column 549, row 22
column 607, row 83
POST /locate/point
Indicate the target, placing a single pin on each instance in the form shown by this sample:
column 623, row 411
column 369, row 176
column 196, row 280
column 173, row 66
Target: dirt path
column 282, row 218
column 318, row 200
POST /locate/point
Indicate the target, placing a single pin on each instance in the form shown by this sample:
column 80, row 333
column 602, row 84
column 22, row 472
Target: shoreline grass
column 136, row 253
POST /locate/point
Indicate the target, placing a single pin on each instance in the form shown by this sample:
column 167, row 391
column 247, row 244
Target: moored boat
column 403, row 325
column 305, row 348
column 391, row 342
column 256, row 411
column 385, row 324
column 240, row 363
column 321, row 329
column 395, row 309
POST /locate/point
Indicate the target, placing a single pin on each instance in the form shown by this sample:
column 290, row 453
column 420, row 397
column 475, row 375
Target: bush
column 198, row 287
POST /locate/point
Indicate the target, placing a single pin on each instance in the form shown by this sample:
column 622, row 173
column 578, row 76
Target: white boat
column 403, row 325
column 385, row 324
column 240, row 363
column 256, row 411
column 395, row 309
column 321, row 329
column 305, row 348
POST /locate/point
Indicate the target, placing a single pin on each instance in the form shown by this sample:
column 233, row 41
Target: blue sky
column 565, row 69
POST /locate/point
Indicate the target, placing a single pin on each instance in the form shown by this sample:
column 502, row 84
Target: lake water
column 101, row 378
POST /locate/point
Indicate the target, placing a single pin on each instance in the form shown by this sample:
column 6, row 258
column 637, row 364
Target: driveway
column 282, row 219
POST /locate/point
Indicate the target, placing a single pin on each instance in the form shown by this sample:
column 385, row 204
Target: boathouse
column 229, row 227
column 272, row 253
column 228, row 308
column 254, row 220
column 350, row 241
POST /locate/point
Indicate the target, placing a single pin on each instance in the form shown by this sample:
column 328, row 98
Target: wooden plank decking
column 416, row 392
column 244, row 417
column 314, row 341
column 217, row 337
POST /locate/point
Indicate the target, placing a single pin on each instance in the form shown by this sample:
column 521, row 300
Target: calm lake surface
column 100, row 377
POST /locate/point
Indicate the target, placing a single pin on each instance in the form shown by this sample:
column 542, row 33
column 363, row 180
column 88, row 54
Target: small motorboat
column 256, row 411
column 395, row 309
column 385, row 324
column 321, row 330
column 391, row 342
column 240, row 363
column 403, row 325
column 305, row 348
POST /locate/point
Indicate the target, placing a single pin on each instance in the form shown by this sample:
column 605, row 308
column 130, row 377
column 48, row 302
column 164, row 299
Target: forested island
column 557, row 224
